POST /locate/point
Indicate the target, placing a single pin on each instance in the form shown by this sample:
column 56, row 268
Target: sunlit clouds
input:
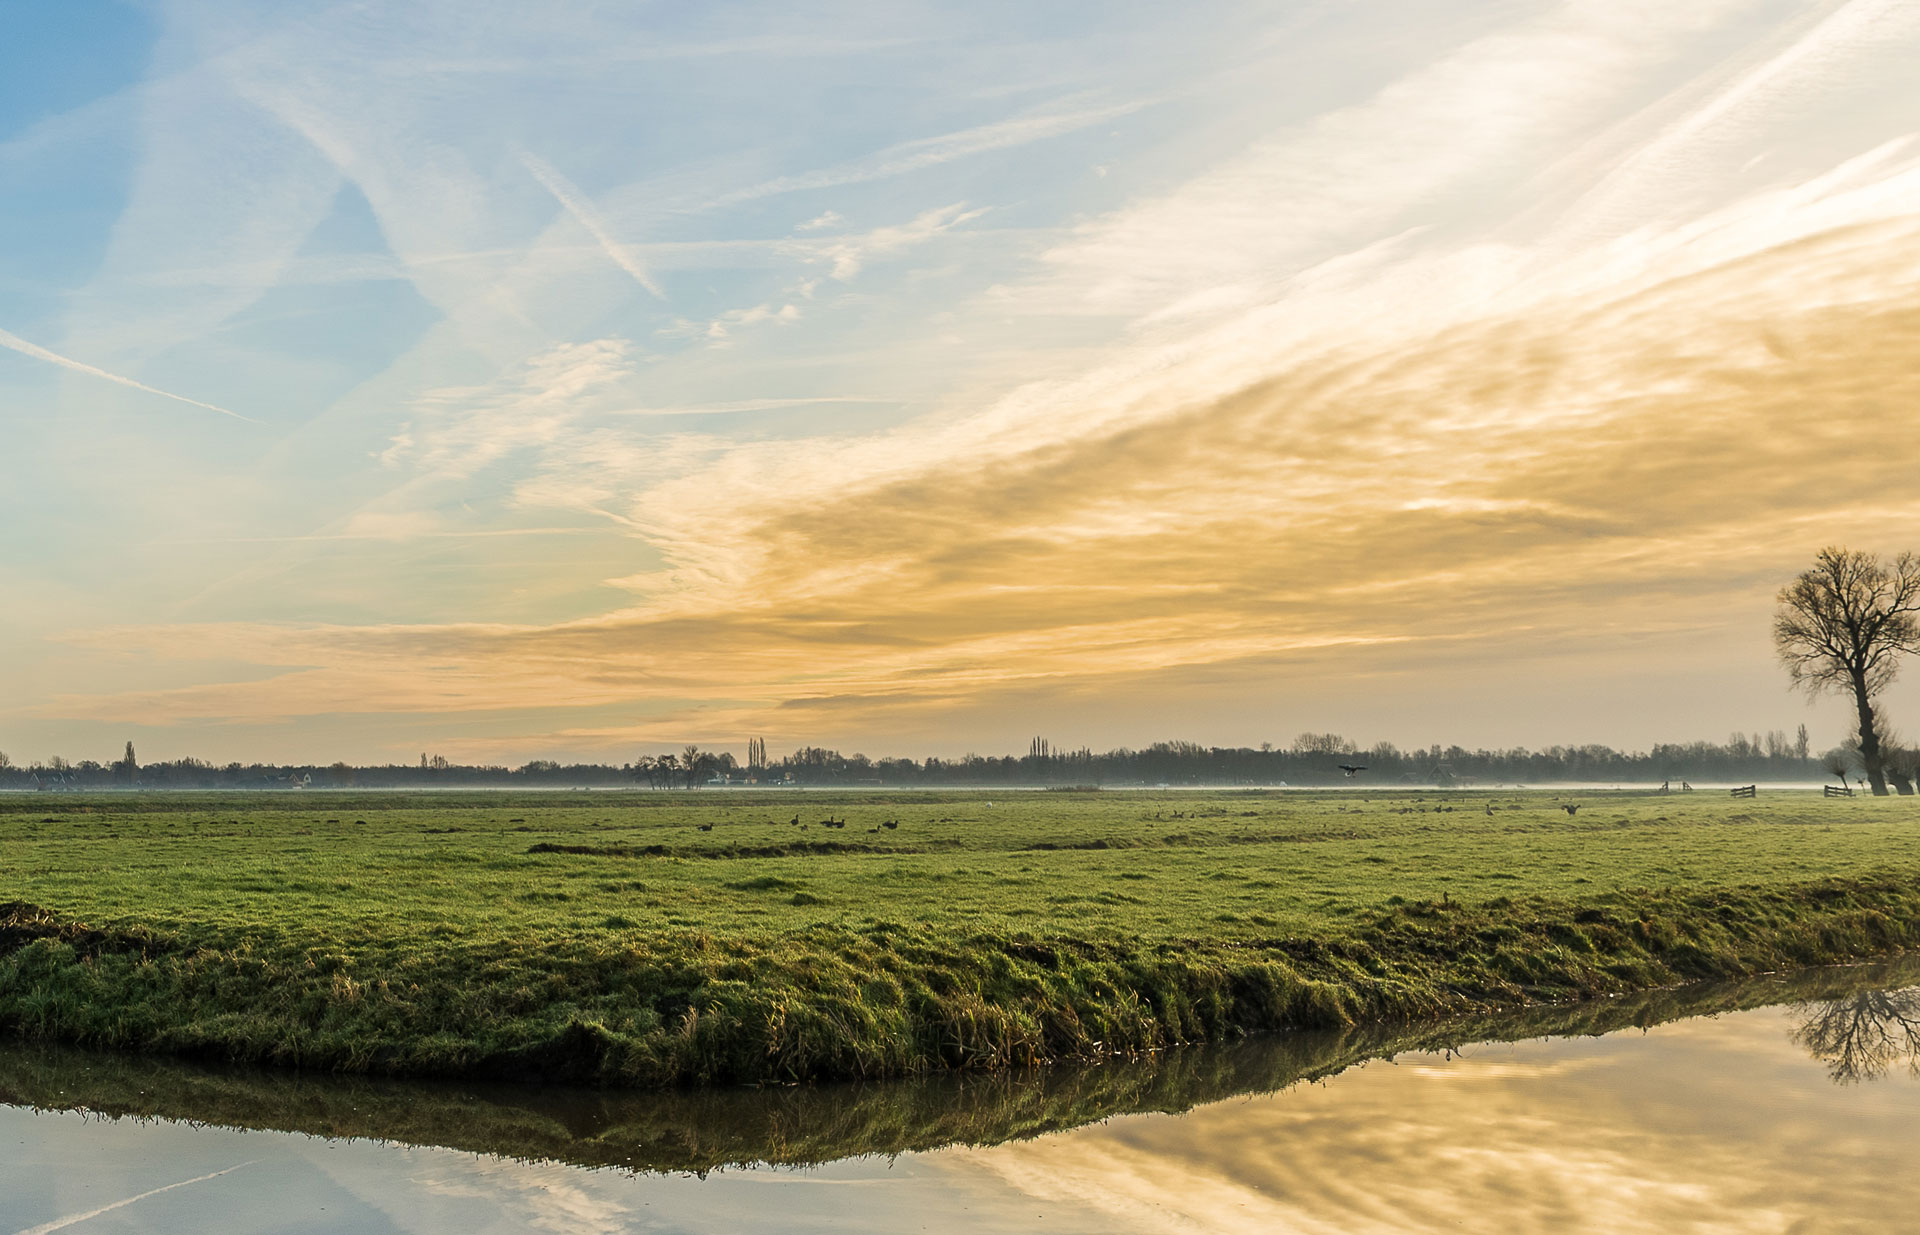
column 1407, row 395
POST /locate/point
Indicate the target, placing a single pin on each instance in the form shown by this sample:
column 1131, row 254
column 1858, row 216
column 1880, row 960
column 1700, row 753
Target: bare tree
column 1843, row 626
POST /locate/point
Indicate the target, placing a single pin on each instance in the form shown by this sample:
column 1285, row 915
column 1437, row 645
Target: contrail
column 61, row 1224
column 582, row 210
column 25, row 348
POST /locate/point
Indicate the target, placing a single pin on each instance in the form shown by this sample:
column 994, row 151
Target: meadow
column 727, row 936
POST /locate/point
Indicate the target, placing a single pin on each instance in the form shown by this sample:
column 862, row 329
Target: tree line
column 1311, row 759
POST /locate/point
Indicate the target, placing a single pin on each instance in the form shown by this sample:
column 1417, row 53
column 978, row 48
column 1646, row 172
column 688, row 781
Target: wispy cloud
column 583, row 212
column 911, row 156
column 718, row 329
column 15, row 343
column 1705, row 134
column 849, row 253
column 1407, row 368
column 739, row 406
column 1482, row 490
column 1394, row 164
column 391, row 534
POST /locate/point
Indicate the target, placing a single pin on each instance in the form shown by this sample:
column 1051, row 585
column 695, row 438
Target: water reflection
column 1864, row 1035
column 1719, row 1117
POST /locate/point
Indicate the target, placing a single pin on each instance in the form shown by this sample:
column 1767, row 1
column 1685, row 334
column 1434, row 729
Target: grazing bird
column 706, row 827
column 1351, row 768
column 891, row 824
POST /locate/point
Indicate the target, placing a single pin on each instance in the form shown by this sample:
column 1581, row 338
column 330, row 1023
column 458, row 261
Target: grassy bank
column 659, row 939
column 713, row 1128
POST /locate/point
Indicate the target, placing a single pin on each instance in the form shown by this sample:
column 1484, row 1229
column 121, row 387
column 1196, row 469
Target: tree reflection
column 1864, row 1035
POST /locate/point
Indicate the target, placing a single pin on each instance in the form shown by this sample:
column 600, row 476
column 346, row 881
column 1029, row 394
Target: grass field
column 655, row 938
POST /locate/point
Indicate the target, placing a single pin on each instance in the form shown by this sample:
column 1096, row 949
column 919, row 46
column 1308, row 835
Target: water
column 1786, row 1105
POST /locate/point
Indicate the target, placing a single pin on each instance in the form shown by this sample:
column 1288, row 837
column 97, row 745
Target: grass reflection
column 1856, row 1017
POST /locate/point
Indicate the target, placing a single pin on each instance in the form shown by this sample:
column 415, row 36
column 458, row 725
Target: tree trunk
column 1869, row 738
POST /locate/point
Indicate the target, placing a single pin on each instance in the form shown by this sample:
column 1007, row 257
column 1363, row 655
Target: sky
column 578, row 380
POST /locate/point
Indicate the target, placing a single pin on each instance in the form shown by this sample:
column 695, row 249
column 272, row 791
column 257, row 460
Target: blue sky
column 569, row 379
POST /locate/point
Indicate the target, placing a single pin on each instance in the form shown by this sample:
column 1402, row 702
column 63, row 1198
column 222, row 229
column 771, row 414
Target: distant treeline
column 1312, row 759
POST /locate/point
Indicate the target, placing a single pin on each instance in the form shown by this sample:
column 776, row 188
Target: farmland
column 639, row 938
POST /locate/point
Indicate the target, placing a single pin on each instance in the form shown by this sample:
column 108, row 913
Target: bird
column 706, row 827
column 890, row 824
column 793, row 821
column 1351, row 768
column 1572, row 808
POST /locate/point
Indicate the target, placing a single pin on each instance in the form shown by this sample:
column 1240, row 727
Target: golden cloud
column 1647, row 444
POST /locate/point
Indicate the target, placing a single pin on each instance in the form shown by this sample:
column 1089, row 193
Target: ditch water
column 1788, row 1104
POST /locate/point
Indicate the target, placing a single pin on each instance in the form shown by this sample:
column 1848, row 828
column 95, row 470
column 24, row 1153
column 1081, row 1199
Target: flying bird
column 1351, row 768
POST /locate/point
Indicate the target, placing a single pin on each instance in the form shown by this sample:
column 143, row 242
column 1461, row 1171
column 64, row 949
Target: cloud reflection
column 1706, row 1126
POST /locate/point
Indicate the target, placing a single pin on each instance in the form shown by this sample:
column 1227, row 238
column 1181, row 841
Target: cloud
column 582, row 210
column 848, row 254
column 15, row 343
column 1505, row 485
column 1705, row 133
column 719, row 328
column 1405, row 158
column 1398, row 385
column 739, row 406
column 920, row 153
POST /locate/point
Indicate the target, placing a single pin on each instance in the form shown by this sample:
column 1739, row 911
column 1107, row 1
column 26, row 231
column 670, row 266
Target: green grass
column 794, row 1125
column 651, row 939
